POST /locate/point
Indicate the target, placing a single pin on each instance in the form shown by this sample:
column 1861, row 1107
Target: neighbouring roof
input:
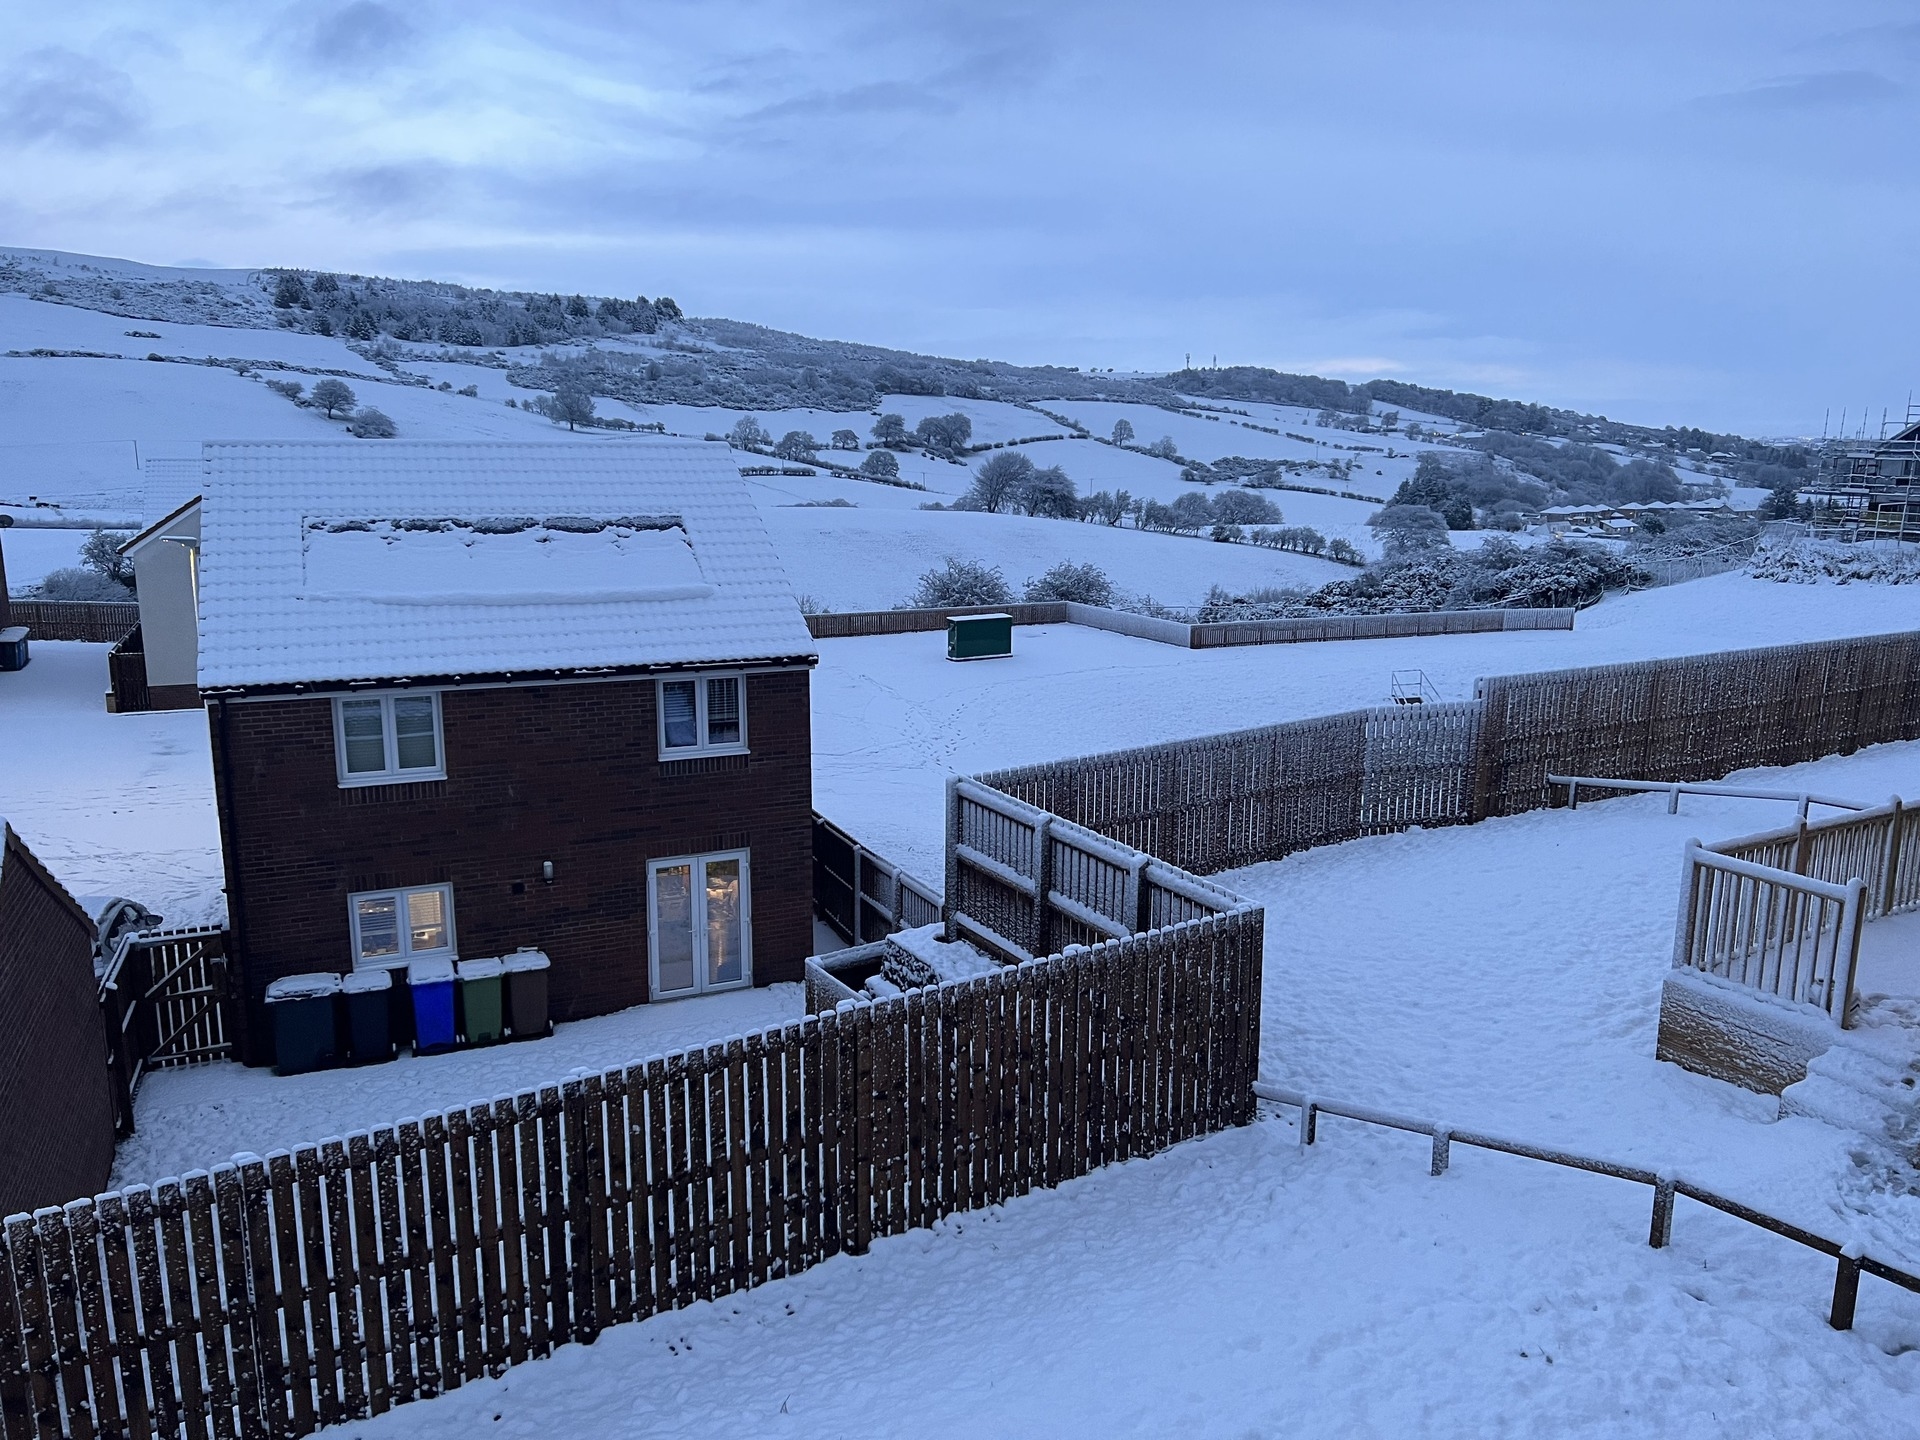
column 12, row 844
column 154, row 531
column 367, row 560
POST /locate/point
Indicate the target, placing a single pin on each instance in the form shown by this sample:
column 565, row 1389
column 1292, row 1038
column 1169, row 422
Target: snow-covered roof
column 366, row 560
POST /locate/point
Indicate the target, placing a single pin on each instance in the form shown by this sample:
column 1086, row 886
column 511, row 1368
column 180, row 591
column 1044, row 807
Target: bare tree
column 331, row 395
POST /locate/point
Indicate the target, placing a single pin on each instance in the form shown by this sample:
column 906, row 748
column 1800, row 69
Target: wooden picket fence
column 1236, row 799
column 273, row 1296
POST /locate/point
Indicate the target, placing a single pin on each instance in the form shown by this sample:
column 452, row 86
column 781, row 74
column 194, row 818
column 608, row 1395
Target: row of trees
column 364, row 309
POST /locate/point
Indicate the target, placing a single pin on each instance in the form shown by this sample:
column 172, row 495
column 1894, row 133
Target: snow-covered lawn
column 866, row 559
column 112, row 804
column 892, row 718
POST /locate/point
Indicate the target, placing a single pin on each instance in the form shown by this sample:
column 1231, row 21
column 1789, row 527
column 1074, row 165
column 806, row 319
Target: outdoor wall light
column 546, row 872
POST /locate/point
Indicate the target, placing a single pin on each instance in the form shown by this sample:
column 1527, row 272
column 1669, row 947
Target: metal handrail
column 1674, row 789
column 1851, row 1259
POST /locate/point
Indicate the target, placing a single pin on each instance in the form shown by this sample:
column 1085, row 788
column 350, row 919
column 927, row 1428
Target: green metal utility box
column 979, row 637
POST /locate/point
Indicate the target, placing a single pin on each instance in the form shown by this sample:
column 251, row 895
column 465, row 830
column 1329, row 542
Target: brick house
column 56, row 1099
column 470, row 697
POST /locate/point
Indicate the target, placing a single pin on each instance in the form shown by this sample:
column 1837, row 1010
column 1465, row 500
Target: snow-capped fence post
column 1889, row 886
column 1442, row 1151
column 1846, row 1287
column 1660, row 1232
column 1042, row 883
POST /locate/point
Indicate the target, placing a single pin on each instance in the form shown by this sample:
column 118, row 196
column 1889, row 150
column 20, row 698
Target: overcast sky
column 1666, row 212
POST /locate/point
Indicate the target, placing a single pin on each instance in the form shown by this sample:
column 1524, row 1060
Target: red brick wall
column 569, row 773
column 56, row 1107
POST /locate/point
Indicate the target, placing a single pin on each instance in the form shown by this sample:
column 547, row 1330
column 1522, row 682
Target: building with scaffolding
column 1870, row 489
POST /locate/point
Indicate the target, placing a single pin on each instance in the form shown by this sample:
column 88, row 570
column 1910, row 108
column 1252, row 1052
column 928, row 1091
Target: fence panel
column 1695, row 718
column 99, row 622
column 862, row 896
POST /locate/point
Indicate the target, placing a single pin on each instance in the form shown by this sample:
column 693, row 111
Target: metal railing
column 1851, row 1259
column 1674, row 789
column 1786, row 935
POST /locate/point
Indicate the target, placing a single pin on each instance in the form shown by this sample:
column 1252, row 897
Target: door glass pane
column 427, row 919
column 723, row 712
column 366, row 742
column 726, row 961
column 413, row 732
column 673, row 927
column 676, row 709
column 379, row 918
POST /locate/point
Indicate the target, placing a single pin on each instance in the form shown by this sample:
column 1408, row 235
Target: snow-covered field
column 892, row 718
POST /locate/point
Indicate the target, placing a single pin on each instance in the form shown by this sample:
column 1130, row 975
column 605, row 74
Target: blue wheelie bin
column 431, row 982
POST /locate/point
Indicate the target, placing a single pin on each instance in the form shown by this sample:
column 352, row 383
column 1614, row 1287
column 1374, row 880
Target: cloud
column 386, row 191
column 62, row 97
column 1825, row 90
column 359, row 38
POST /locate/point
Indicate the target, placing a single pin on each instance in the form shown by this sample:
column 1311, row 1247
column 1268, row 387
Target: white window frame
column 700, row 679
column 450, row 950
column 700, row 958
column 392, row 774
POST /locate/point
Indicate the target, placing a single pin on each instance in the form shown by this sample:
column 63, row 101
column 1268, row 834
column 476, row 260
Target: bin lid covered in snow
column 303, row 987
column 479, row 969
column 366, row 982
column 430, row 972
column 523, row 960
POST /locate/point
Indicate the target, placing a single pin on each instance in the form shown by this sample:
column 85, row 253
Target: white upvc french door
column 699, row 924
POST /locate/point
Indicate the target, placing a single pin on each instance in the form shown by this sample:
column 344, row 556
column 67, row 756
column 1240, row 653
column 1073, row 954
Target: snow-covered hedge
column 1801, row 561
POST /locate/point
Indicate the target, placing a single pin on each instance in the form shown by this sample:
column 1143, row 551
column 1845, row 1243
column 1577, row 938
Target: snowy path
column 1237, row 1286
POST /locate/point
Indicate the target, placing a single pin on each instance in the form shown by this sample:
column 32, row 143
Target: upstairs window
column 394, row 927
column 380, row 739
column 703, row 715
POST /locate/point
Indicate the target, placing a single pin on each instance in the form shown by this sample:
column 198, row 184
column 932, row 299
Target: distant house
column 56, row 1100
column 467, row 697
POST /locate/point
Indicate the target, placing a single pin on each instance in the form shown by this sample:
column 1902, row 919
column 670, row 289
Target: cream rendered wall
column 165, row 571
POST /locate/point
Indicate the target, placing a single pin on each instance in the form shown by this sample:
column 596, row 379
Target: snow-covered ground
column 1503, row 977
column 892, row 718
column 196, row 1117
column 1239, row 1287
column 112, row 804
column 871, row 559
